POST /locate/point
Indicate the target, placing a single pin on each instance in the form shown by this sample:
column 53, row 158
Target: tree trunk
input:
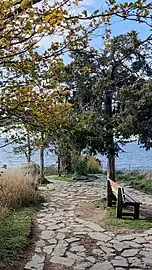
column 111, row 167
column 42, row 160
column 28, row 148
column 110, row 137
column 59, row 165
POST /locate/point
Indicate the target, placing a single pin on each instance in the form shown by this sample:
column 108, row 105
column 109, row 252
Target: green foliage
column 136, row 179
column 84, row 165
column 51, row 170
column 14, row 232
column 93, row 166
column 79, row 165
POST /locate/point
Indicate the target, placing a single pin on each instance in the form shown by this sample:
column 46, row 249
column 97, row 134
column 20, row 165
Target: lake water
column 132, row 158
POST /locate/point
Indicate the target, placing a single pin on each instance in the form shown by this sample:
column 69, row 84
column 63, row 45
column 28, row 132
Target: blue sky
column 118, row 27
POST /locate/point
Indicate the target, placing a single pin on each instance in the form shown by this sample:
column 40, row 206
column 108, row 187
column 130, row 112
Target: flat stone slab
column 48, row 249
column 72, row 239
column 63, row 261
column 46, row 235
column 99, row 236
column 78, row 248
column 37, row 263
column 102, row 266
column 60, row 249
column 119, row 261
column 74, row 256
column 83, row 265
column 129, row 253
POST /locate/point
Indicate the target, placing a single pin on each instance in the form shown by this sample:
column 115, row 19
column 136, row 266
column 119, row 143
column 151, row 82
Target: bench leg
column 119, row 204
column 136, row 211
column 109, row 194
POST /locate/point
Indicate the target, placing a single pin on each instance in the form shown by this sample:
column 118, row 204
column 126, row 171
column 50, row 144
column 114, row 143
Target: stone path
column 68, row 242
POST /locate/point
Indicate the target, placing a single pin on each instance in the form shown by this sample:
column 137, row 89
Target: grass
column 110, row 220
column 17, row 189
column 18, row 197
column 66, row 177
column 136, row 179
column 15, row 229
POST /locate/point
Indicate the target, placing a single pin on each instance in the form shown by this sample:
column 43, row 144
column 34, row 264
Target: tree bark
column 111, row 167
column 59, row 165
column 28, row 149
column 42, row 160
column 110, row 137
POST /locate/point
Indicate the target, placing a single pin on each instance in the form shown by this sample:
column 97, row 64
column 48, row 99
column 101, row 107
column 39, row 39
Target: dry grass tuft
column 16, row 189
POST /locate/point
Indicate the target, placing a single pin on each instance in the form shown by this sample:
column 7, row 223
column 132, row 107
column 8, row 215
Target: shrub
column 93, row 165
column 79, row 165
column 17, row 189
column 51, row 170
column 84, row 165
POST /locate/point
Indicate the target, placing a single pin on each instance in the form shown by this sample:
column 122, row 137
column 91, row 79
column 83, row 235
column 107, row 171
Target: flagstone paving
column 67, row 242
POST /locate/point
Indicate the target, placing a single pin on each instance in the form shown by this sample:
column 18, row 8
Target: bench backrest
column 115, row 186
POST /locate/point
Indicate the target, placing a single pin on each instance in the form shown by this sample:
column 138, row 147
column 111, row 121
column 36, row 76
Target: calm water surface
column 132, row 158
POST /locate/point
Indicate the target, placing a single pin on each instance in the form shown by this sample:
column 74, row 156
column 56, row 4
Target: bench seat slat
column 129, row 197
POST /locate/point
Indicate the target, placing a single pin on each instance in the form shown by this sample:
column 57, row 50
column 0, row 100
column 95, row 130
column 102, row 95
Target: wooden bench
column 116, row 194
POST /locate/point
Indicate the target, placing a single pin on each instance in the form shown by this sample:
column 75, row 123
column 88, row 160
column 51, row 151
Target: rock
column 120, row 268
column 91, row 259
column 128, row 237
column 62, row 260
column 40, row 243
column 74, row 256
column 147, row 254
column 48, row 249
column 148, row 232
column 139, row 240
column 129, row 253
column 38, row 250
column 135, row 262
column 60, row 236
column 93, row 226
column 147, row 261
column 82, row 266
column 30, row 266
column 72, row 239
column 41, row 227
column 119, row 246
column 54, row 227
column 77, row 248
column 107, row 250
column 52, row 241
column 131, row 244
column 99, row 236
column 119, row 261
column 104, row 266
column 37, row 263
column 60, row 249
column 98, row 252
column 46, row 235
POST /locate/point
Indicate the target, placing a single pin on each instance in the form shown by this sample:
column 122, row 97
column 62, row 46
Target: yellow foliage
column 54, row 18
column 24, row 3
column 93, row 165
